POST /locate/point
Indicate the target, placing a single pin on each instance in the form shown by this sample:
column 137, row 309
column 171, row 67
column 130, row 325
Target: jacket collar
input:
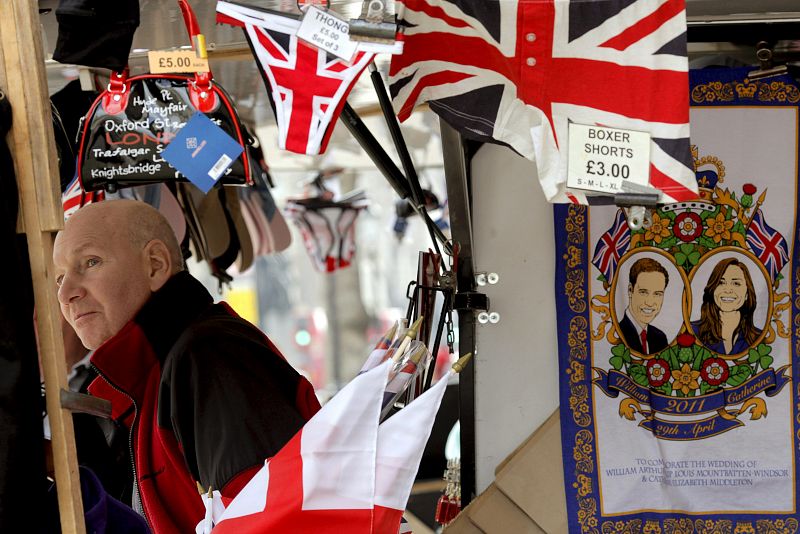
column 127, row 358
column 171, row 309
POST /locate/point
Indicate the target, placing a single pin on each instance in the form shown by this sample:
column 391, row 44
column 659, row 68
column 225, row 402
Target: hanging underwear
column 328, row 229
column 307, row 86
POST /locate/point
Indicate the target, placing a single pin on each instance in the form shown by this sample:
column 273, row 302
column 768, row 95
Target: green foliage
column 668, row 242
column 698, row 360
column 739, row 374
column 667, row 215
column 672, row 358
column 618, row 350
column 621, row 356
column 707, row 242
column 638, row 373
column 687, row 255
column 760, row 355
column 685, row 355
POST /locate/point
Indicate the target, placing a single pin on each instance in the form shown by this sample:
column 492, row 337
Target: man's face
column 102, row 279
column 646, row 296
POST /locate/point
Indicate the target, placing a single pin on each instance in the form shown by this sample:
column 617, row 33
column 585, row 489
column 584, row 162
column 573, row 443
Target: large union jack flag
column 611, row 246
column 516, row 72
column 767, row 244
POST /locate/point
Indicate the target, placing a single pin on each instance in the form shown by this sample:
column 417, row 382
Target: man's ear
column 158, row 263
column 630, row 290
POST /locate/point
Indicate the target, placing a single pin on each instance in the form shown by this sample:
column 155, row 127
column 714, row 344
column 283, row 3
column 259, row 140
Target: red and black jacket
column 206, row 397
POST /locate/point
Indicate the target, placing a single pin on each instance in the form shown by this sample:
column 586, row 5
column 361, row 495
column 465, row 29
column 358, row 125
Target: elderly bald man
column 205, row 396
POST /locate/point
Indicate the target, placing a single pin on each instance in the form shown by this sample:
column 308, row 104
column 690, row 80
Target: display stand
column 32, row 144
column 460, row 206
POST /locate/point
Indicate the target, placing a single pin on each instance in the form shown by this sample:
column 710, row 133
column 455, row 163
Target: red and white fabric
column 517, row 72
column 343, row 472
column 308, row 87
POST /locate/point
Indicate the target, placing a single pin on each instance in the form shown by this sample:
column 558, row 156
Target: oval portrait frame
column 685, row 294
column 687, row 312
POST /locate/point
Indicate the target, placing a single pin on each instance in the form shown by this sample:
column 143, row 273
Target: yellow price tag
column 164, row 61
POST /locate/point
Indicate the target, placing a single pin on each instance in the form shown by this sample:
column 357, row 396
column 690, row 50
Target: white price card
column 601, row 158
column 328, row 32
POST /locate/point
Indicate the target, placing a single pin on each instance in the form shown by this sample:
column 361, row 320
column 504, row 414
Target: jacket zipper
column 137, row 493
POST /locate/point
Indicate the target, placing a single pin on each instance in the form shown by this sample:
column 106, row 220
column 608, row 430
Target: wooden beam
column 32, row 146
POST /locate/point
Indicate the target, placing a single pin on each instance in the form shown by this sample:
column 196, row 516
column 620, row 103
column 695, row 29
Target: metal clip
column 767, row 69
column 635, row 199
column 372, row 26
column 638, row 217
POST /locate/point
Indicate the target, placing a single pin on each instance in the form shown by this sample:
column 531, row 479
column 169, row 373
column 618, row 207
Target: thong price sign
column 601, row 158
column 328, row 32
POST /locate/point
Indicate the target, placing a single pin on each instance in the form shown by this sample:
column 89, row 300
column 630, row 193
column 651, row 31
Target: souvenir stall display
column 675, row 200
column 676, row 339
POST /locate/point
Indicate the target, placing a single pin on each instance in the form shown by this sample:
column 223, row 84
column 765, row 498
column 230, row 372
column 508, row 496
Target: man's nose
column 70, row 289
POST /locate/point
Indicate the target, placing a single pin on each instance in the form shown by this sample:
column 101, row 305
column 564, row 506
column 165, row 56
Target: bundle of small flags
column 449, row 504
column 346, row 470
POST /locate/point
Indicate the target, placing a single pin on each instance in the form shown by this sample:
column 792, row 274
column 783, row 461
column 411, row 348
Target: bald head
column 135, row 222
column 109, row 259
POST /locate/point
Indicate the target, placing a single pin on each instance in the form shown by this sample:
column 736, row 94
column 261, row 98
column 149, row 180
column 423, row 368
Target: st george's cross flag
column 517, row 72
column 342, row 472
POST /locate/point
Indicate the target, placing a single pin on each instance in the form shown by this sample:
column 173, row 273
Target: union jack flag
column 517, row 72
column 611, row 246
column 74, row 197
column 767, row 244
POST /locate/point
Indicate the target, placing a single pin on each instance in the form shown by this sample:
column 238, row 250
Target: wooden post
column 32, row 144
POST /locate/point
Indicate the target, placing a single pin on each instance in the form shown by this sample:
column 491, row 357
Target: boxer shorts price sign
column 600, row 158
column 328, row 32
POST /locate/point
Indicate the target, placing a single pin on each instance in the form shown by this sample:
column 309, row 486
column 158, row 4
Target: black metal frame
column 456, row 153
column 457, row 175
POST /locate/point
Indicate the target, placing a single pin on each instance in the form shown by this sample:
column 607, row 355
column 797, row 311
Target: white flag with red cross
column 343, row 472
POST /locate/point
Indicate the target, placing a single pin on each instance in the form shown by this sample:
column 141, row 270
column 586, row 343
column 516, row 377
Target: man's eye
column 91, row 262
column 59, row 279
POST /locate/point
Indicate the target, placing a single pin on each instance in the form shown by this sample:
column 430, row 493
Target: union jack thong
column 307, row 87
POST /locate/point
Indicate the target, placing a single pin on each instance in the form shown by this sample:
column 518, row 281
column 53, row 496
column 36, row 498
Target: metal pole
column 457, row 177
